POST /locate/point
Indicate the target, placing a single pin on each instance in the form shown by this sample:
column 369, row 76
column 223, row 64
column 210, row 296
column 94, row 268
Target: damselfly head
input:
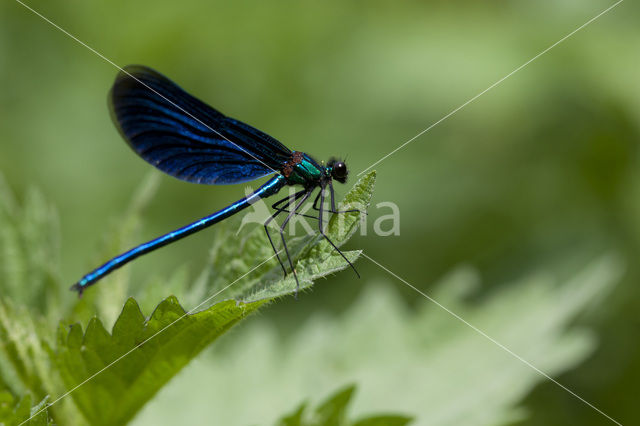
column 338, row 170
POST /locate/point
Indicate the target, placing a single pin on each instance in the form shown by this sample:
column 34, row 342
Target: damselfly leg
column 290, row 205
column 321, row 223
column 288, row 200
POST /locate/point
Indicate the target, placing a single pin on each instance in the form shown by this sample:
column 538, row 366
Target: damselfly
column 187, row 139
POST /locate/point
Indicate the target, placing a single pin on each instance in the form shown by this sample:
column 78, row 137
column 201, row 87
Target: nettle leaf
column 14, row 413
column 29, row 249
column 112, row 375
column 313, row 255
column 334, row 412
column 163, row 345
column 26, row 367
column 295, row 418
column 420, row 361
column 24, row 356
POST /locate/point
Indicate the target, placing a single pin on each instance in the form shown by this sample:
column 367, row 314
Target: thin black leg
column 284, row 242
column 333, row 203
column 292, row 200
column 288, row 198
column 321, row 227
column 276, row 205
column 315, row 202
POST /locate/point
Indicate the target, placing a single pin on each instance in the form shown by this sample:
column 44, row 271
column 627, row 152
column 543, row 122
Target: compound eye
column 340, row 170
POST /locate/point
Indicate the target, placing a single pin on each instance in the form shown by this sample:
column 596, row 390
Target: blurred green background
column 539, row 173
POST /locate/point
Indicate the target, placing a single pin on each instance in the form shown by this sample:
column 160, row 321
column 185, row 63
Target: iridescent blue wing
column 186, row 138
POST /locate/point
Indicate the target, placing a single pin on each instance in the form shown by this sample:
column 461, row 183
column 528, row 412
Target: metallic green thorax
column 305, row 171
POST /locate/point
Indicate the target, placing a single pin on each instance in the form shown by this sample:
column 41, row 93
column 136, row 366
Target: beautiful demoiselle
column 187, row 139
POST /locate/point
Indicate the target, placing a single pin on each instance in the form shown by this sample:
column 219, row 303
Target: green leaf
column 14, row 413
column 420, row 360
column 313, row 256
column 29, row 250
column 333, row 412
column 24, row 358
column 295, row 418
column 112, row 375
column 139, row 356
column 26, row 366
column 388, row 420
column 132, row 363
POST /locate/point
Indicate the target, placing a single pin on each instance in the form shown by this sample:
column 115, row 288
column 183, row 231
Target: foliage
column 139, row 356
column 24, row 359
column 333, row 412
column 540, row 173
column 15, row 413
column 110, row 376
column 420, row 361
column 29, row 249
column 315, row 255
